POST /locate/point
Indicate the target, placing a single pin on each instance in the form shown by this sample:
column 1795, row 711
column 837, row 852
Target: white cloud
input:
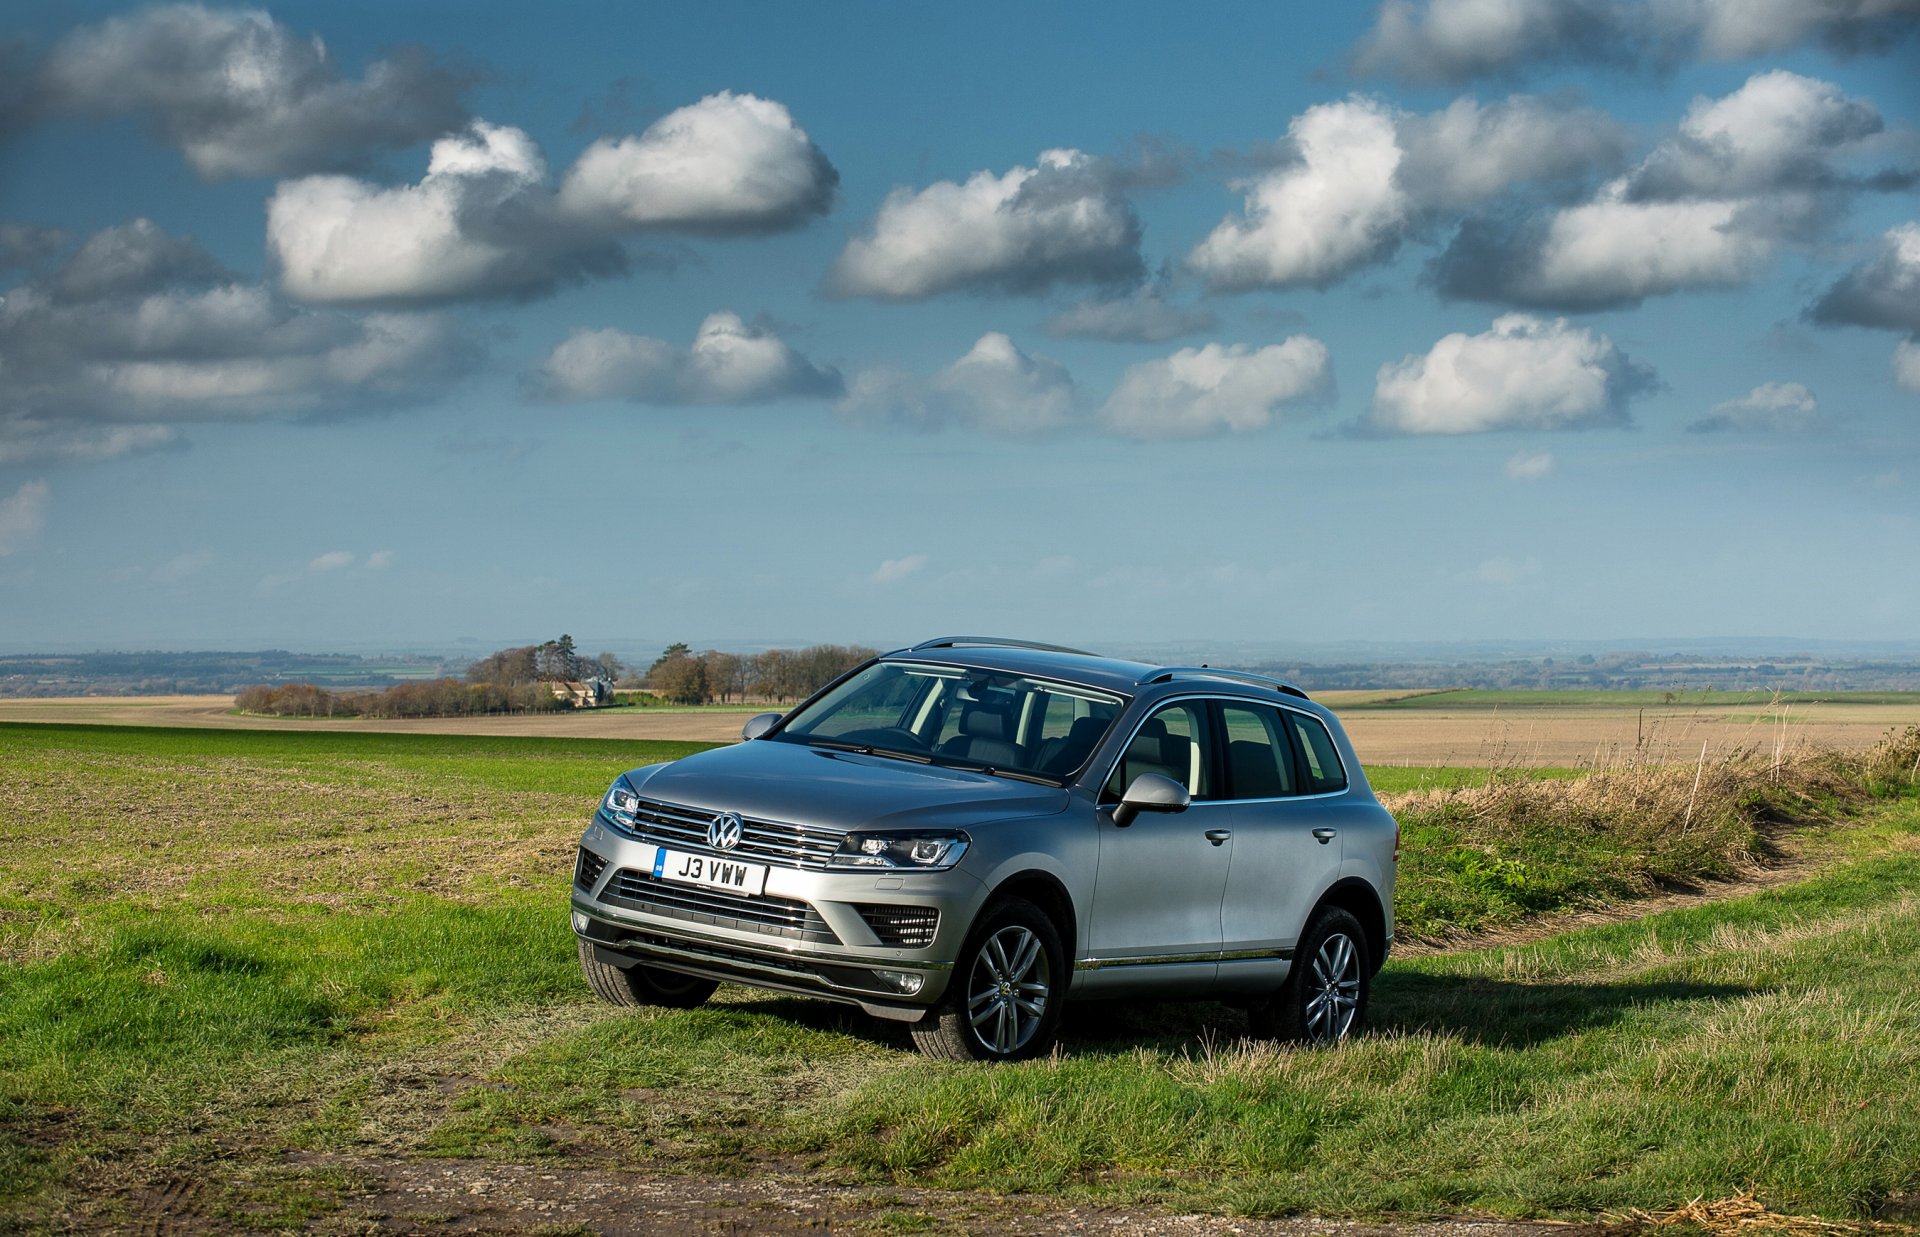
column 1524, row 373
column 1710, row 207
column 1906, row 364
column 182, row 566
column 895, row 569
column 1529, row 465
column 1453, row 40
column 242, row 95
column 729, row 362
column 28, row 438
column 1467, row 153
column 1769, row 406
column 1061, row 221
column 380, row 560
column 1363, row 176
column 1777, row 129
column 481, row 223
column 1218, row 389
column 1143, row 317
column 995, row 387
column 23, row 244
column 22, row 515
column 1728, row 29
column 1504, row 572
column 1883, row 291
column 141, row 330
column 727, row 163
column 332, row 560
column 1312, row 221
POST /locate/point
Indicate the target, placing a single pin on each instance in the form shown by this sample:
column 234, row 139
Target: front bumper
column 812, row 933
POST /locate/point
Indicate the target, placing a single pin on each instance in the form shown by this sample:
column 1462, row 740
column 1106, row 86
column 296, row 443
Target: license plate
column 709, row 872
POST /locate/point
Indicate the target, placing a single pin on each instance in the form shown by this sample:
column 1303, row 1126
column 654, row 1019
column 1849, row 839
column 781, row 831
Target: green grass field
column 238, row 956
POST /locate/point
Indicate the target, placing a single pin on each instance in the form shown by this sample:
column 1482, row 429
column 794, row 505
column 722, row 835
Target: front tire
column 642, row 985
column 1003, row 1002
column 1324, row 1000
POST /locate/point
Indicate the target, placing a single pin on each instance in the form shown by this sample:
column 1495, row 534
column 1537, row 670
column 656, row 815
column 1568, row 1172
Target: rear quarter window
column 1325, row 773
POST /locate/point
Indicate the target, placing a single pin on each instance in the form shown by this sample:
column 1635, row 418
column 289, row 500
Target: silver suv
column 965, row 834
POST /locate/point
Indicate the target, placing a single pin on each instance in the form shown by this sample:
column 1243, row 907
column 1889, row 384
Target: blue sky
column 355, row 325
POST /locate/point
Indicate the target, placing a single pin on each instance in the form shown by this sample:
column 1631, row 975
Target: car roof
column 1129, row 678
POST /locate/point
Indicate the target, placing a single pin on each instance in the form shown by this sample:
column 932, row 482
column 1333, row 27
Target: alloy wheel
column 1008, row 990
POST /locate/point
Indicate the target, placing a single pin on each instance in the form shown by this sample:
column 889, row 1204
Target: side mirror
column 1150, row 792
column 758, row 725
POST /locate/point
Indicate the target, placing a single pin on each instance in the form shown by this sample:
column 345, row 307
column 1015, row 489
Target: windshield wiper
column 1018, row 775
column 868, row 749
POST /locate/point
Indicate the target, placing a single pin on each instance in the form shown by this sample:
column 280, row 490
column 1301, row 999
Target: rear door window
column 1259, row 758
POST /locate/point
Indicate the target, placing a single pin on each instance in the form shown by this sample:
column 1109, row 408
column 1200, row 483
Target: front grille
column 905, row 927
column 782, row 917
column 587, row 869
column 768, row 841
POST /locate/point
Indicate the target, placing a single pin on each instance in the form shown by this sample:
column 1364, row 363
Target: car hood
column 772, row 780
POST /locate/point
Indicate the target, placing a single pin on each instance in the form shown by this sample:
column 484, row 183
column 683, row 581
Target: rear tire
column 1324, row 1000
column 1003, row 1001
column 642, row 985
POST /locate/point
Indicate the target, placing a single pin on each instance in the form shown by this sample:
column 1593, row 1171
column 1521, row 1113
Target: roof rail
column 1169, row 673
column 992, row 642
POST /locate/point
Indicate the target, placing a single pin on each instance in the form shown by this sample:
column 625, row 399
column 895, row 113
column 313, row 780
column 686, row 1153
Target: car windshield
column 988, row 719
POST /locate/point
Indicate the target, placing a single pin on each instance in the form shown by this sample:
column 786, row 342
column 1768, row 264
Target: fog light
column 579, row 924
column 906, row 983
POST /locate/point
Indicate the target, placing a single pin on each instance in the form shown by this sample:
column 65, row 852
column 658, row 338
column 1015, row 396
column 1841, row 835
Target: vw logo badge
column 723, row 831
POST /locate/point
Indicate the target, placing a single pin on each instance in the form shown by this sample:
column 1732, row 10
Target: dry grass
column 1743, row 1213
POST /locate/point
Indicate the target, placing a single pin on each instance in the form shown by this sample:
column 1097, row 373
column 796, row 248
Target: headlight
column 918, row 852
column 621, row 803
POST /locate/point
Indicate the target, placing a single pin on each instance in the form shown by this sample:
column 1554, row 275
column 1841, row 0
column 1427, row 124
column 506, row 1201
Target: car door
column 1285, row 850
column 1156, row 903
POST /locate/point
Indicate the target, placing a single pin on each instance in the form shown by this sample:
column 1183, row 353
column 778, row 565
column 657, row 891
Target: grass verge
column 230, row 955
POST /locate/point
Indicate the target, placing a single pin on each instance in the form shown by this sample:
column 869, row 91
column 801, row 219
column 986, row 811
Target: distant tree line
column 516, row 680
column 436, row 698
column 776, row 675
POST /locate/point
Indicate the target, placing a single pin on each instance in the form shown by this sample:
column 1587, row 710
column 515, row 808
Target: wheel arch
column 1045, row 891
column 1359, row 899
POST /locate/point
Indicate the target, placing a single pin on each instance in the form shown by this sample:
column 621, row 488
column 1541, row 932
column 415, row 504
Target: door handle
column 1219, row 836
column 1323, row 836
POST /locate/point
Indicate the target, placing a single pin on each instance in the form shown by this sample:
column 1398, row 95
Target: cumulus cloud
column 1769, row 406
column 1524, row 373
column 1709, row 207
column 1142, row 317
column 894, row 569
column 1906, row 364
column 1337, row 206
column 1467, row 153
column 996, row 387
column 1363, row 175
column 332, row 560
column 1779, row 129
column 1883, row 291
column 242, row 95
column 1062, row 221
column 22, row 515
column 140, row 330
column 481, row 223
column 1529, row 466
column 1218, row 389
column 484, row 223
column 730, row 362
column 23, row 244
column 1439, row 41
column 729, row 163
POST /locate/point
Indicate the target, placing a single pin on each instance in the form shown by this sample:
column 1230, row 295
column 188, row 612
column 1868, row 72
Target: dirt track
column 1534, row 735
